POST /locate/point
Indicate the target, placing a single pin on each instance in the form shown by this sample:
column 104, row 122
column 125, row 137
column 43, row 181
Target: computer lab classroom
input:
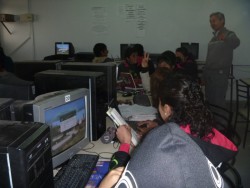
column 29, row 30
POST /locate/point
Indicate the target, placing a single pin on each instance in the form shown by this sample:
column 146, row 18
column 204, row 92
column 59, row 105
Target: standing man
column 219, row 60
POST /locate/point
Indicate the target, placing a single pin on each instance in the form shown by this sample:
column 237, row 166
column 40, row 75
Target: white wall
column 167, row 23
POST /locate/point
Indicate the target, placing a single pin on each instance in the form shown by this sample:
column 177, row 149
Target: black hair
column 155, row 79
column 130, row 50
column 99, row 48
column 183, row 51
column 139, row 49
column 168, row 57
column 187, row 104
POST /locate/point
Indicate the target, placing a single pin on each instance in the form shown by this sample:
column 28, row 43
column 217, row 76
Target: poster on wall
column 141, row 21
column 99, row 20
column 135, row 15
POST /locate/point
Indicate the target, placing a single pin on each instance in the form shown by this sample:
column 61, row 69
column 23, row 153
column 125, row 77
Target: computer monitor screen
column 67, row 113
column 64, row 48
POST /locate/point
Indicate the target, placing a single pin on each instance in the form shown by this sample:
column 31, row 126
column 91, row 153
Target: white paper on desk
column 137, row 112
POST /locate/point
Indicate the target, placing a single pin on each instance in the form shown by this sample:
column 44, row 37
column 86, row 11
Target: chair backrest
column 222, row 116
column 243, row 98
column 231, row 176
column 223, row 119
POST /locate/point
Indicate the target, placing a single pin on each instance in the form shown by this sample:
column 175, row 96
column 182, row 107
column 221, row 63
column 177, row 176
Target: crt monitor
column 27, row 69
column 67, row 113
column 108, row 69
column 64, row 48
column 55, row 80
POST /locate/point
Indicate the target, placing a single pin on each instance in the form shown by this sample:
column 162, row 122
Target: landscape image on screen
column 62, row 49
column 67, row 124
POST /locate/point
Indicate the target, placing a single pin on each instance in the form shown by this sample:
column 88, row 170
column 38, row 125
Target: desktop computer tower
column 55, row 80
column 25, row 155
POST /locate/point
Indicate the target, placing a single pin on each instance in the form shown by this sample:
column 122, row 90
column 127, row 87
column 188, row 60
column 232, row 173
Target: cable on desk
column 91, row 152
column 118, row 144
column 91, row 147
column 111, row 154
column 115, row 145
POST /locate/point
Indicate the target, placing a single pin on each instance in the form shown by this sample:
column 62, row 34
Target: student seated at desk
column 166, row 60
column 131, row 64
column 140, row 52
column 101, row 53
column 185, row 63
column 171, row 150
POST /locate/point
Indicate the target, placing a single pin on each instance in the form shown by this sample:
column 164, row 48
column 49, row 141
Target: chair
column 231, row 176
column 223, row 119
column 242, row 106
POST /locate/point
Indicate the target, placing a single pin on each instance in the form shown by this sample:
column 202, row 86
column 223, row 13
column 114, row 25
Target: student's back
column 168, row 157
column 101, row 53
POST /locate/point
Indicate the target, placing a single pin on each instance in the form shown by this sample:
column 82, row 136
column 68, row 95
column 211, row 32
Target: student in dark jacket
column 183, row 100
column 101, row 53
column 185, row 63
column 132, row 65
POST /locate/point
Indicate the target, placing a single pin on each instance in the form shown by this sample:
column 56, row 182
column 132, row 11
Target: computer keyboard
column 76, row 172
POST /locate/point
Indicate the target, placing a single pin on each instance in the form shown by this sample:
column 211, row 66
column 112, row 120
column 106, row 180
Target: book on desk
column 101, row 169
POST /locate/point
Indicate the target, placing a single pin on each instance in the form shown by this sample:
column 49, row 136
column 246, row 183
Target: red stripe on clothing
column 124, row 147
column 218, row 138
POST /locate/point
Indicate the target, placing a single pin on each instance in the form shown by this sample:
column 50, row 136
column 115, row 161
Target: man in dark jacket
column 219, row 60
